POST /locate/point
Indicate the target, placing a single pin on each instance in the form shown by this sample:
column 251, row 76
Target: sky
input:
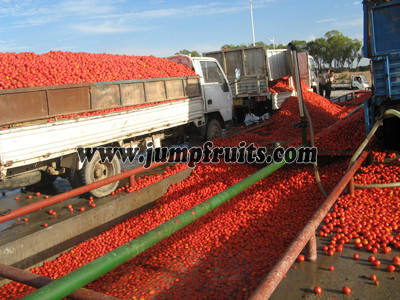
column 163, row 27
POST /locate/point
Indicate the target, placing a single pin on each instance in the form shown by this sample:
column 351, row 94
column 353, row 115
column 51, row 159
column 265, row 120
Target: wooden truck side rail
column 41, row 103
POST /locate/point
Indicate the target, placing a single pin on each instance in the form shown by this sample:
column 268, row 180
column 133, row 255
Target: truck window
column 211, row 72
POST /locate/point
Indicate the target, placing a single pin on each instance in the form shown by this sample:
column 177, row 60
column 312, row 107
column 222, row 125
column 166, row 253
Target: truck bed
column 28, row 138
column 41, row 103
column 27, row 145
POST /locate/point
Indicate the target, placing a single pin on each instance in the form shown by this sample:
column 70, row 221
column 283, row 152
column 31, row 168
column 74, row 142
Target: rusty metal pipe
column 274, row 277
column 72, row 193
column 311, row 249
column 38, row 281
column 132, row 180
column 351, row 186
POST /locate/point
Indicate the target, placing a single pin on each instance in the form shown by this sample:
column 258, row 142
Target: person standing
column 328, row 87
column 322, row 83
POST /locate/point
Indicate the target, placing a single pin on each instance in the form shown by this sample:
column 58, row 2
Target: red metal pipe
column 132, row 180
column 274, row 277
column 351, row 186
column 311, row 249
column 72, row 193
column 38, row 281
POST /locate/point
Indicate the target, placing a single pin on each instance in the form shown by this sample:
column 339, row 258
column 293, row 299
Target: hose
column 377, row 185
column 388, row 161
column 315, row 164
column 364, row 143
column 389, row 112
column 304, row 112
column 392, row 112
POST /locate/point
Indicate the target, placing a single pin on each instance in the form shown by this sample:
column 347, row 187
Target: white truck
column 357, row 82
column 250, row 72
column 41, row 128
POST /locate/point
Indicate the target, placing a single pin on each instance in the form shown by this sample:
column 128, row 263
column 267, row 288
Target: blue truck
column 382, row 46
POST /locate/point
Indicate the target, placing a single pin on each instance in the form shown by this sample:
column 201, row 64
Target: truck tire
column 214, row 129
column 96, row 170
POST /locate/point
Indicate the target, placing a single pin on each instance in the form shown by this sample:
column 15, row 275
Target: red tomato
column 391, row 268
column 346, row 290
column 300, row 258
column 318, row 290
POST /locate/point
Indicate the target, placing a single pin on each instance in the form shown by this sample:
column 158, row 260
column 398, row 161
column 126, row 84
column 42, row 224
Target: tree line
column 333, row 50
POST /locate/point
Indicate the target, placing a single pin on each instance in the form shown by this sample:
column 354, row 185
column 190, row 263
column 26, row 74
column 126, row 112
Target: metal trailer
column 250, row 91
column 257, row 67
column 278, row 64
column 37, row 141
column 382, row 46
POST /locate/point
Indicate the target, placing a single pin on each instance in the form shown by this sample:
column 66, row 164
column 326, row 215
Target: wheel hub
column 100, row 171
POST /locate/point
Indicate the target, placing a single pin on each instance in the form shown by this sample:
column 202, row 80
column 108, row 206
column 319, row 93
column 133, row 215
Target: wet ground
column 304, row 277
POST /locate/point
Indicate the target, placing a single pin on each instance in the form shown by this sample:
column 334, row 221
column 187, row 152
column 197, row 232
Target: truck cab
column 217, row 93
column 216, row 90
column 359, row 82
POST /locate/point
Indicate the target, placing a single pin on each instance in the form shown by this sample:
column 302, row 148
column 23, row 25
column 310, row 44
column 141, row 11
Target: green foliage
column 187, row 52
column 301, row 46
column 333, row 50
column 258, row 44
column 341, row 50
column 319, row 50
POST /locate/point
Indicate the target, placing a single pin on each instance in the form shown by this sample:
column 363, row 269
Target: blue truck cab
column 382, row 46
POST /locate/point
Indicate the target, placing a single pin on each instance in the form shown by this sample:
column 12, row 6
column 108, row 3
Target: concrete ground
column 302, row 278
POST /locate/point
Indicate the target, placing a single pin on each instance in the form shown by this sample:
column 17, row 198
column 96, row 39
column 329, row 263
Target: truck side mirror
column 237, row 74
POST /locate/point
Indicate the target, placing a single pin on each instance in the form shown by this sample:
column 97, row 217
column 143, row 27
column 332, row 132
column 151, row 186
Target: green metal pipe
column 71, row 282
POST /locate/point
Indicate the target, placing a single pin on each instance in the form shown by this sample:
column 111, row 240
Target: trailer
column 250, row 71
column 382, row 46
column 41, row 128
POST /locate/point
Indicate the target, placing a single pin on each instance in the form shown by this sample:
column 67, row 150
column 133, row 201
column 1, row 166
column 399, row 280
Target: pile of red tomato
column 224, row 254
column 280, row 85
column 228, row 252
column 27, row 69
column 334, row 134
column 343, row 137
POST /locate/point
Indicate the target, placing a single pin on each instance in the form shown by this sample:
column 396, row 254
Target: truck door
column 216, row 90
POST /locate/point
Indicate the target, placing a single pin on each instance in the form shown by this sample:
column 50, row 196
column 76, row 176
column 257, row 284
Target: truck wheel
column 96, row 170
column 213, row 129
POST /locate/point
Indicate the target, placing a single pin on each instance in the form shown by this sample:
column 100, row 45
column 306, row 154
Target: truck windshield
column 211, row 72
